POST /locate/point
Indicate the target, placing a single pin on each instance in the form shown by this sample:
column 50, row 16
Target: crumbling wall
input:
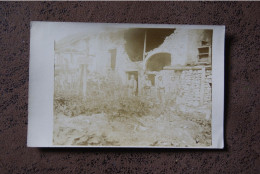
column 189, row 91
column 183, row 46
column 193, row 88
column 208, row 87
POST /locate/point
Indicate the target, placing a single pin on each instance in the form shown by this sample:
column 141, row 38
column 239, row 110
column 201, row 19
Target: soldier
column 147, row 86
column 132, row 85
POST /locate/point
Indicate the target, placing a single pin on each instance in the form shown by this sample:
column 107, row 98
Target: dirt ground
column 191, row 129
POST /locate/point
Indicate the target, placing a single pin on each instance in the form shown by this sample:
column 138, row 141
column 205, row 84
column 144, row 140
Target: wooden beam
column 144, row 45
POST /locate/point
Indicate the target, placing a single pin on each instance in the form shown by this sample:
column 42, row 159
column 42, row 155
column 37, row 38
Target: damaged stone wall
column 208, row 87
column 183, row 46
column 194, row 87
column 189, row 86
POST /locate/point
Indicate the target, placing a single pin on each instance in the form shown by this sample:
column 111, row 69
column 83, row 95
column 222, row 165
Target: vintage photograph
column 133, row 87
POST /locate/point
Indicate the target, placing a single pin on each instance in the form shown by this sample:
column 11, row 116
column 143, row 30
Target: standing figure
column 147, row 86
column 132, row 85
column 160, row 90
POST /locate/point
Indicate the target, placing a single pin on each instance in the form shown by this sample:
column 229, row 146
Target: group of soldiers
column 147, row 87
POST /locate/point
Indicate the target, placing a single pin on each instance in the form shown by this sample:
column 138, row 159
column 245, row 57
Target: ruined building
column 182, row 57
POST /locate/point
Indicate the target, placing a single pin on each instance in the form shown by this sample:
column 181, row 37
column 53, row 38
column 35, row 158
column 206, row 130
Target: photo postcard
column 126, row 85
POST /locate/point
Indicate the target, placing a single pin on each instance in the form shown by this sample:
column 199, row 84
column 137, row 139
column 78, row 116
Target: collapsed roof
column 135, row 39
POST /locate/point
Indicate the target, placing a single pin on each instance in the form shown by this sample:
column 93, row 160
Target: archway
column 158, row 61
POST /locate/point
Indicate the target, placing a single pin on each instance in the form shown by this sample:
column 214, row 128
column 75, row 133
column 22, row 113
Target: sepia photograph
column 133, row 86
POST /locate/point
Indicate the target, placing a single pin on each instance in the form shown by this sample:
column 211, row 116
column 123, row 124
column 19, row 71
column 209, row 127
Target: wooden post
column 144, row 46
column 141, row 72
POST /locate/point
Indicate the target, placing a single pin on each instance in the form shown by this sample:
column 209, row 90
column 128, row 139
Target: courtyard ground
column 173, row 127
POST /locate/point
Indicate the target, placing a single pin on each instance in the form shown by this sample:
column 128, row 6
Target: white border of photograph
column 41, row 77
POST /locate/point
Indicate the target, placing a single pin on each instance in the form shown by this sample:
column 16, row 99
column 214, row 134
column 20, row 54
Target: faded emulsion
column 134, row 87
